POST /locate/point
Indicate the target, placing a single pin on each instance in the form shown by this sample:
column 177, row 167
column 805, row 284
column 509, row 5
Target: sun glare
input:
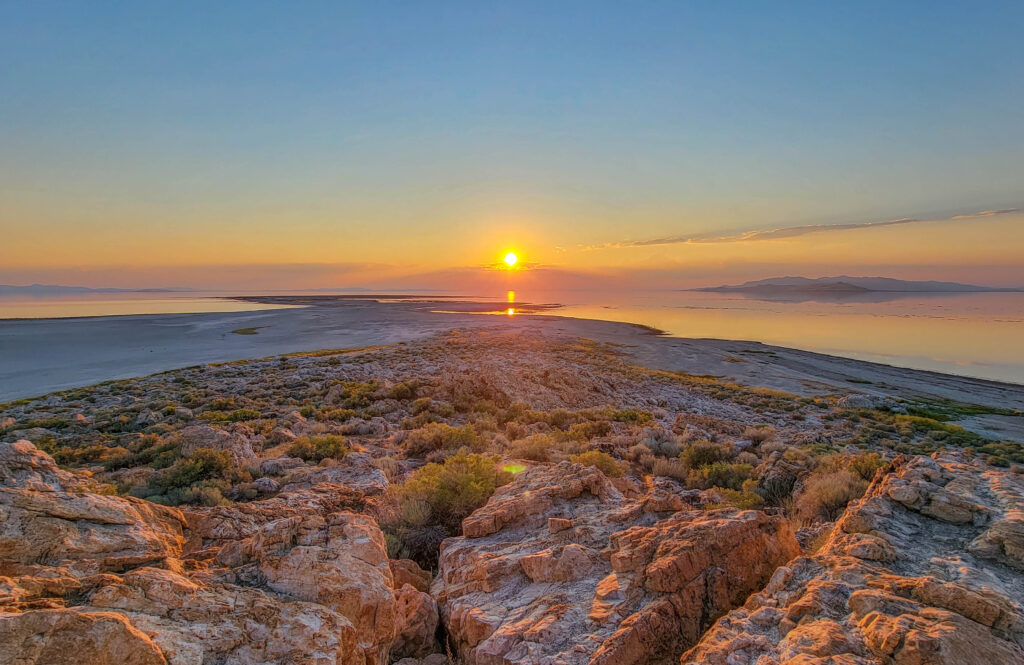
column 511, row 259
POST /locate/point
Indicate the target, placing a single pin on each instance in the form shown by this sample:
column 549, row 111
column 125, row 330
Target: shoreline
column 51, row 355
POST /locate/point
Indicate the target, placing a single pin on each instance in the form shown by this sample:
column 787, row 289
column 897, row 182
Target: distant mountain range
column 56, row 289
column 848, row 285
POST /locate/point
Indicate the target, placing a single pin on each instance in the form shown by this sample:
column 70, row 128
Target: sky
column 252, row 145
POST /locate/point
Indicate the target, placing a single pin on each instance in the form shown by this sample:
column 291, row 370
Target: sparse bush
column 633, row 416
column 704, row 453
column 537, row 448
column 670, row 468
column 440, row 436
column 203, row 465
column 319, row 448
column 433, row 502
column 760, row 434
column 825, row 495
column 719, row 474
column 391, row 467
column 603, row 461
column 590, row 429
column 743, row 500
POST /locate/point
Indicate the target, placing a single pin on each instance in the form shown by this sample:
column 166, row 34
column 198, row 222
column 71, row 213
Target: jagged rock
column 280, row 435
column 213, row 527
column 631, row 580
column 146, row 418
column 278, row 466
column 925, row 569
column 71, row 637
column 338, row 560
column 195, row 437
column 407, row 571
column 356, row 471
column 44, row 523
column 416, row 623
column 295, row 579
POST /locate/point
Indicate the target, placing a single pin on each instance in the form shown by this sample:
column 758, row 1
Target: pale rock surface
column 560, row 567
column 926, row 569
column 234, row 441
column 293, row 580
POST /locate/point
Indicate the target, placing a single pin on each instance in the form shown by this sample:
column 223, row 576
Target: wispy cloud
column 787, row 231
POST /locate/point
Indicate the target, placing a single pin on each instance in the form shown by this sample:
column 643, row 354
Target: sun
column 511, row 259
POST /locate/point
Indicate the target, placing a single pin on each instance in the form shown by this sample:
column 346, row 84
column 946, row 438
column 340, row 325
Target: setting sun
column 511, row 259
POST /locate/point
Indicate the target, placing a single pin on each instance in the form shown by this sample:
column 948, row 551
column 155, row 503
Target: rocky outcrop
column 925, row 569
column 48, row 519
column 297, row 579
column 236, row 441
column 562, row 567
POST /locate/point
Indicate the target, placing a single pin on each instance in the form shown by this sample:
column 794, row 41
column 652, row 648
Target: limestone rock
column 634, row 579
column 195, row 437
column 925, row 569
column 92, row 579
column 416, row 623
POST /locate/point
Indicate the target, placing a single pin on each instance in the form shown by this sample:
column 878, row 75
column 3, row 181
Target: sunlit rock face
column 86, row 578
column 928, row 568
column 562, row 566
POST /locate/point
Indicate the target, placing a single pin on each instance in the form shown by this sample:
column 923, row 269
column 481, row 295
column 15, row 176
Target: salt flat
column 41, row 356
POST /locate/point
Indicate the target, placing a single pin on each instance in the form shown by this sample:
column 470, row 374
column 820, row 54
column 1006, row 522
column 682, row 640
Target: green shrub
column 456, row 488
column 704, row 453
column 743, row 500
column 441, row 436
column 603, row 461
column 319, row 448
column 719, row 474
column 435, row 499
column 203, row 464
column 632, row 416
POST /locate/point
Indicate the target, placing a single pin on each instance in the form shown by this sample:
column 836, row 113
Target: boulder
column 417, row 618
column 924, row 570
column 560, row 567
column 92, row 579
column 195, row 437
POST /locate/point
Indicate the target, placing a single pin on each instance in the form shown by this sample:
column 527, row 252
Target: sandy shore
column 41, row 356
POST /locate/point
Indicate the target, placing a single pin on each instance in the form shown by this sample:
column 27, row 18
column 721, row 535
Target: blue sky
column 558, row 124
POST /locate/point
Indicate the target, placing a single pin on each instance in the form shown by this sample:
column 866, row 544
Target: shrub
column 404, row 390
column 632, row 416
column 203, row 464
column 319, row 448
column 865, row 465
column 826, row 494
column 437, row 436
column 719, row 474
column 590, row 429
column 670, row 468
column 537, row 448
column 760, row 434
column 743, row 500
column 456, row 488
column 704, row 453
column 603, row 461
column 432, row 503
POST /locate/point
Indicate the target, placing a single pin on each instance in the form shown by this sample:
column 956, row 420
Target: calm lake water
column 978, row 334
